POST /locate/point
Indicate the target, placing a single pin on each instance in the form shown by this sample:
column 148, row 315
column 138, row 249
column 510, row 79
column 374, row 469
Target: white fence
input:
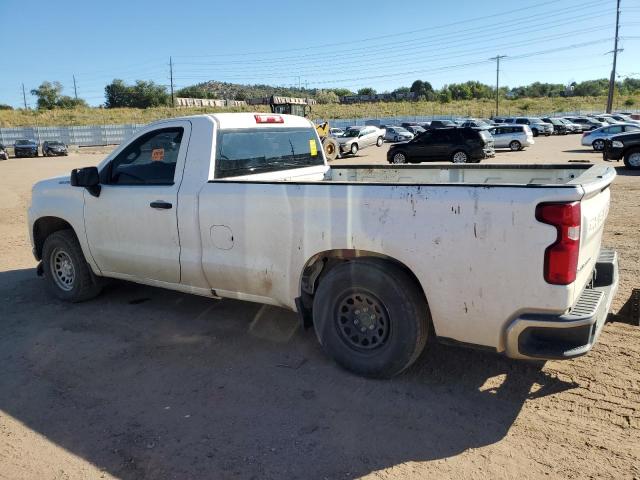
column 82, row 136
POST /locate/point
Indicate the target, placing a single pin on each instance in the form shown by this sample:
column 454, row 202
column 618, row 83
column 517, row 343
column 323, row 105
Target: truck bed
column 512, row 175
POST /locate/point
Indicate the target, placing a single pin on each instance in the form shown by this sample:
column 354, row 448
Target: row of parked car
column 31, row 148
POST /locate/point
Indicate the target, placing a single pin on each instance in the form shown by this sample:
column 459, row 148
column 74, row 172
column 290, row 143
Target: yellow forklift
column 302, row 108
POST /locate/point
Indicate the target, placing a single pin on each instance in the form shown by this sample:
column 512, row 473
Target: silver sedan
column 595, row 138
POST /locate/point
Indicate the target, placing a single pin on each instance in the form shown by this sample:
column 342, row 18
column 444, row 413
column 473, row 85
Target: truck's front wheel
column 371, row 317
column 67, row 273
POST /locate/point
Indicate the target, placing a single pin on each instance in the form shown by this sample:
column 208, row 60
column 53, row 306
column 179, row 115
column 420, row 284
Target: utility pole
column 497, row 59
column 612, row 80
column 24, row 97
column 173, row 103
column 75, row 89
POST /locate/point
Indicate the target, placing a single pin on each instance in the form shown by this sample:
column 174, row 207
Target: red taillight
column 561, row 257
column 269, row 119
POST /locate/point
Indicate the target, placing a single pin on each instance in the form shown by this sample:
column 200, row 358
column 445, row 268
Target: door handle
column 160, row 204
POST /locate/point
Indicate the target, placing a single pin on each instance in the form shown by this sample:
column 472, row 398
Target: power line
column 315, row 48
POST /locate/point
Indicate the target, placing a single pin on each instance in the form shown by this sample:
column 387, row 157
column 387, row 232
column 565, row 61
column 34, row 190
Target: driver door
column 132, row 226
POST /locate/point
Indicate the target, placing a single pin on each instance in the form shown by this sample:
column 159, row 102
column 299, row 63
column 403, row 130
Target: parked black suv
column 455, row 144
column 625, row 146
column 559, row 128
column 25, row 148
column 442, row 123
column 53, row 147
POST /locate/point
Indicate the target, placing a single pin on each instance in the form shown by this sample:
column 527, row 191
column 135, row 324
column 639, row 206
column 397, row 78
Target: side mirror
column 88, row 178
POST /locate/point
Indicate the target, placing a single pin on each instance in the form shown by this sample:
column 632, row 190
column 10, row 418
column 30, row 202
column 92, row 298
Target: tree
column 422, row 89
column 326, row 96
column 141, row 95
column 366, row 91
column 5, row 107
column 66, row 101
column 48, row 94
column 444, row 96
column 342, row 92
column 117, row 95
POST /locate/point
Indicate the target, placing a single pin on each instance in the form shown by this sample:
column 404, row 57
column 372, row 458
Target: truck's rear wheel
column 68, row 275
column 371, row 317
column 330, row 148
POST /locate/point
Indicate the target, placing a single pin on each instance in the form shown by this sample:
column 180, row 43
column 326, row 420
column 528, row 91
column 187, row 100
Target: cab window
column 149, row 160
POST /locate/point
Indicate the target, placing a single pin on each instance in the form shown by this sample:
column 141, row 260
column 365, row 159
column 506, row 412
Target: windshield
column 401, row 130
column 536, row 120
column 247, row 151
column 352, row 132
column 24, row 142
column 55, row 143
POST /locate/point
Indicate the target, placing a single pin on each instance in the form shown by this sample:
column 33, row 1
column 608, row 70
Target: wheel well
column 322, row 263
column 45, row 226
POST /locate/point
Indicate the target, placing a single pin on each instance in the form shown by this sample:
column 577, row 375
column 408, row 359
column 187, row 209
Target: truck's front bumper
column 547, row 337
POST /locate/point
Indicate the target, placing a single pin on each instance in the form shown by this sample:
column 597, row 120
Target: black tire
column 399, row 158
column 397, row 303
column 353, row 149
column 460, row 156
column 598, row 145
column 515, row 145
column 85, row 285
column 535, row 132
column 379, row 142
column 632, row 159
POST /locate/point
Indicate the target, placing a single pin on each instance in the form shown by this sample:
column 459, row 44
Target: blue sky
column 372, row 43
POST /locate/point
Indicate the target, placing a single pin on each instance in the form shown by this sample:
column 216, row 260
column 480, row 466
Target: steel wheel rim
column 460, row 157
column 634, row 159
column 362, row 321
column 330, row 149
column 598, row 145
column 398, row 158
column 62, row 270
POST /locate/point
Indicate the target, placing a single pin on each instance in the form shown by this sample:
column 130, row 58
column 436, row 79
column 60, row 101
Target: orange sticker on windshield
column 157, row 154
column 313, row 148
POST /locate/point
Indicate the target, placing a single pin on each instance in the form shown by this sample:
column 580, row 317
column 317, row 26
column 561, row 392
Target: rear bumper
column 547, row 337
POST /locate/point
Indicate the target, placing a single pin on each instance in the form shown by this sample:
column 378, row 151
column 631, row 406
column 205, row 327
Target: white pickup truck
column 378, row 258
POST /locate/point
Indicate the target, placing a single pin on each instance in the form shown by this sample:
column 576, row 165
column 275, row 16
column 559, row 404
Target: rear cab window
column 250, row 151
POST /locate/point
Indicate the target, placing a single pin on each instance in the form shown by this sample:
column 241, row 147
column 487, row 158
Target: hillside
column 475, row 108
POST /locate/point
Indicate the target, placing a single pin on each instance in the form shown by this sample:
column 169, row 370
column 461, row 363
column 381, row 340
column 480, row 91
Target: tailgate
column 594, row 208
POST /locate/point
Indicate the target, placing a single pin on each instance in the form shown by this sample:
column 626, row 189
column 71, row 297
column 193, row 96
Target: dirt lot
column 145, row 383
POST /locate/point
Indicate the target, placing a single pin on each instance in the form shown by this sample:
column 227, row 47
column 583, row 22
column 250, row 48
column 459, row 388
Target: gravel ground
column 143, row 383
